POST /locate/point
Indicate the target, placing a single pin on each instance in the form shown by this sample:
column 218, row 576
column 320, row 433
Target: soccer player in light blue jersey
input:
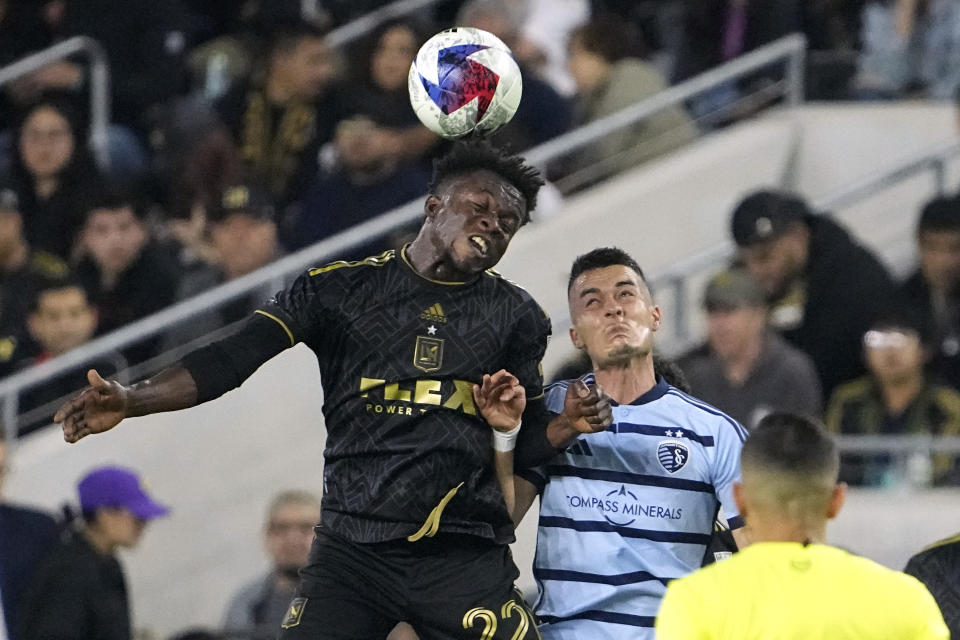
column 624, row 511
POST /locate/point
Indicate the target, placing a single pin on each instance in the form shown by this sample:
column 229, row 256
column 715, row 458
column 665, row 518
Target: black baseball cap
column 247, row 198
column 764, row 215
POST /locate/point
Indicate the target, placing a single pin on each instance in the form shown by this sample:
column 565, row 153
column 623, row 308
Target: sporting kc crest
column 672, row 455
column 428, row 355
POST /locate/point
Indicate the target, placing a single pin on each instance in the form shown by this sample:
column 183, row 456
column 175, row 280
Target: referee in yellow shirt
column 788, row 584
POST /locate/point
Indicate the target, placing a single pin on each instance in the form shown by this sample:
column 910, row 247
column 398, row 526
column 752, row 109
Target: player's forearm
column 560, row 432
column 503, row 463
column 171, row 389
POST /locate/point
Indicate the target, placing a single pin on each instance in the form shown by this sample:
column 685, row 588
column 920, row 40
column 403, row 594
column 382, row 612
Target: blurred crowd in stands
column 239, row 135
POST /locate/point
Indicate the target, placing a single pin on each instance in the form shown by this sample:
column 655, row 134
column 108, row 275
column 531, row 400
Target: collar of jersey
column 655, row 393
column 406, row 261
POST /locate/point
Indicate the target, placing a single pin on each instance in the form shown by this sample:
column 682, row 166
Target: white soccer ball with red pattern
column 464, row 80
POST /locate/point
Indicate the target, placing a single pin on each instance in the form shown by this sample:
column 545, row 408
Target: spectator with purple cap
column 81, row 592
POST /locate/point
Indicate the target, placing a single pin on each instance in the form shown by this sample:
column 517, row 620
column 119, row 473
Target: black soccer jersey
column 407, row 452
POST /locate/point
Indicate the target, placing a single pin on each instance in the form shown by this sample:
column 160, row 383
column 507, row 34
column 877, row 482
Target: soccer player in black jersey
column 414, row 523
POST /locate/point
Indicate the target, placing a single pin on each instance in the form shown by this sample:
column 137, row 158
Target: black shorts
column 447, row 587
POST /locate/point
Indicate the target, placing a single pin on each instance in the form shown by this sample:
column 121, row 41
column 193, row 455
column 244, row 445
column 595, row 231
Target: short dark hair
column 479, row 154
column 904, row 319
column 285, row 35
column 112, row 197
column 600, row 258
column 940, row 214
column 606, row 37
column 44, row 285
column 793, row 445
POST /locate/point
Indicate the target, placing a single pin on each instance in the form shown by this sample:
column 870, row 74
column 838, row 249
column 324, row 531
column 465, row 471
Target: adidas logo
column 580, row 448
column 434, row 314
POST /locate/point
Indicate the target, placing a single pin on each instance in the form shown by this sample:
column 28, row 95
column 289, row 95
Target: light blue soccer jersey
column 625, row 510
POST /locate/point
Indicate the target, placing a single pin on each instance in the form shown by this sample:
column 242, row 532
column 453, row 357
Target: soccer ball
column 464, row 80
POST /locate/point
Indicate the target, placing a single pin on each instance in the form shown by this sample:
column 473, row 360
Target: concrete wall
column 218, row 464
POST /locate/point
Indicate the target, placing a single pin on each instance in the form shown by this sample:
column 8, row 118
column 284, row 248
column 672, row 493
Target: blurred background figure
column 282, row 116
column 896, row 398
column 379, row 94
column 610, row 76
column 54, row 175
column 27, row 536
column 932, row 291
column 126, row 274
column 257, row 610
column 543, row 112
column 365, row 184
column 21, row 270
column 824, row 289
column 61, row 318
column 81, row 593
column 744, row 369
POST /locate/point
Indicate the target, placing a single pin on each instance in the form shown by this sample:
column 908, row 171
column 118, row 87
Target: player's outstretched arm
column 203, row 375
column 106, row 403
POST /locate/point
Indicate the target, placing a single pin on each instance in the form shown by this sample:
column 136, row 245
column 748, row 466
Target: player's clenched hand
column 96, row 409
column 501, row 400
column 587, row 407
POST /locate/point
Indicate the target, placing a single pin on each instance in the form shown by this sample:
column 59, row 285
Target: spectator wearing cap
column 27, row 536
column 366, row 184
column 244, row 237
column 824, row 289
column 81, row 593
column 126, row 274
column 21, row 271
column 895, row 398
column 744, row 369
column 933, row 289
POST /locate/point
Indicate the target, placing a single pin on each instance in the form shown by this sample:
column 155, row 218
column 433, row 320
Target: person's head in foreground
column 116, row 508
column 789, row 487
column 478, row 199
column 787, row 584
column 613, row 314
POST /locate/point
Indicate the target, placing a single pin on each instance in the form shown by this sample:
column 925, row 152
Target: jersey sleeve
column 726, row 468
column 304, row 306
column 528, row 342
column 679, row 616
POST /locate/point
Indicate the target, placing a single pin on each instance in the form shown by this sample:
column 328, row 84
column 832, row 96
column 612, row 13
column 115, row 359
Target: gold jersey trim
column 372, row 261
column 432, row 524
column 280, row 322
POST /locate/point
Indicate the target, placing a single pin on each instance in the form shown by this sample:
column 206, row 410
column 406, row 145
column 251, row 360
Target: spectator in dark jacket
column 54, row 176
column 80, row 593
column 126, row 274
column 824, row 289
column 933, row 290
column 27, row 536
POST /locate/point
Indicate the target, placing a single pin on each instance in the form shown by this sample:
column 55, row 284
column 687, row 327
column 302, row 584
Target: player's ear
column 575, row 339
column 740, row 499
column 837, row 499
column 656, row 318
column 432, row 206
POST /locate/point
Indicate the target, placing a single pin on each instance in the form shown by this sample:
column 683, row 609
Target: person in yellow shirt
column 788, row 584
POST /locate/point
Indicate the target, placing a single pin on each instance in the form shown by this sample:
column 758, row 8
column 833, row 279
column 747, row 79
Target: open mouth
column 480, row 243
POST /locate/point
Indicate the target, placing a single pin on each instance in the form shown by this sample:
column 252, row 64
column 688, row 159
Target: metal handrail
column 99, row 81
column 363, row 25
column 786, row 48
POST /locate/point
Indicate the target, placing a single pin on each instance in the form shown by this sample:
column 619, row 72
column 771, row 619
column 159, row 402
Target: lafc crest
column 428, row 354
